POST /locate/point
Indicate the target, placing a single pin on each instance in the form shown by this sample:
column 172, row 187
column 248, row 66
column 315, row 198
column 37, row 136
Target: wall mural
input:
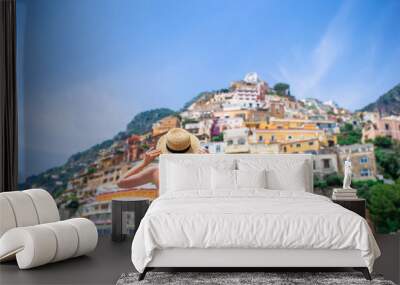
column 241, row 115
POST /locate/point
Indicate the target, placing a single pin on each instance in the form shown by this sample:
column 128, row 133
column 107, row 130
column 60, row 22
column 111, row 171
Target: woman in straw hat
column 177, row 140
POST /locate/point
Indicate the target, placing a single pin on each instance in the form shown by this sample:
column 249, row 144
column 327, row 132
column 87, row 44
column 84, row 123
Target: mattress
column 250, row 219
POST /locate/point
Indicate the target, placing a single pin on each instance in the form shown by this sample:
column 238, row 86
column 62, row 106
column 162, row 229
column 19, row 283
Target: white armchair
column 31, row 230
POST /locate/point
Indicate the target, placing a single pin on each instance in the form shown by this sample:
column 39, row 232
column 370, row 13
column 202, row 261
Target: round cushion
column 7, row 218
column 66, row 238
column 45, row 205
column 87, row 234
column 33, row 246
column 23, row 208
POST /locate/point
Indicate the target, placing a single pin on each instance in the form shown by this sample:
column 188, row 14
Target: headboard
column 284, row 160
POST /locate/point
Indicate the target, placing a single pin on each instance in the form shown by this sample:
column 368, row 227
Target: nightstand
column 356, row 205
column 126, row 216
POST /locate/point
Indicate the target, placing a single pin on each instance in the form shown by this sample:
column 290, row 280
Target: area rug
column 273, row 278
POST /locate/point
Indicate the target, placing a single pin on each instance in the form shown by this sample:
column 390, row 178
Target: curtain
column 8, row 98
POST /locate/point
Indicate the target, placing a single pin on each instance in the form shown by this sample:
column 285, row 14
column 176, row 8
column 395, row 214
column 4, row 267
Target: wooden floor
column 103, row 266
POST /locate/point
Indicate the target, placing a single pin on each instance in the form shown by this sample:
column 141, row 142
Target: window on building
column 387, row 127
column 364, row 159
column 272, row 138
column 327, row 163
column 284, row 149
column 218, row 148
column 242, row 141
column 230, row 142
column 364, row 172
column 311, row 143
column 260, row 138
column 104, row 180
column 314, row 166
column 298, row 145
column 289, row 137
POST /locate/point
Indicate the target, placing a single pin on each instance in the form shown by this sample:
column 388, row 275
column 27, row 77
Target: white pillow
column 251, row 178
column 192, row 172
column 283, row 173
column 223, row 179
column 183, row 177
column 293, row 180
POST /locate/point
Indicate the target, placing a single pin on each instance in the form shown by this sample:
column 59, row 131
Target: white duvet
column 250, row 219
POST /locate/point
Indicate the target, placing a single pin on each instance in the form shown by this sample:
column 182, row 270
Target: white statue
column 347, row 172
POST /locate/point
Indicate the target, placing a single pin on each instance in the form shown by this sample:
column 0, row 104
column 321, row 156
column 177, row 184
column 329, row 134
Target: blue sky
column 86, row 67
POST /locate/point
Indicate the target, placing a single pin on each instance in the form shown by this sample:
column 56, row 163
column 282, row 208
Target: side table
column 126, row 216
column 356, row 205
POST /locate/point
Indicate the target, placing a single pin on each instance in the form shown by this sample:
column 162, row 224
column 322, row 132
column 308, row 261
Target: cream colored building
column 362, row 159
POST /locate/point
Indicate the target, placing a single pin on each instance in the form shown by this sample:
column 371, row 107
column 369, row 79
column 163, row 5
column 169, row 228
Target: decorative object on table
column 32, row 233
column 126, row 216
column 347, row 172
column 346, row 192
column 216, row 278
column 356, row 205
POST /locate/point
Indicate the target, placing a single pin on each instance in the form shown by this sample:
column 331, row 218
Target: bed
column 247, row 211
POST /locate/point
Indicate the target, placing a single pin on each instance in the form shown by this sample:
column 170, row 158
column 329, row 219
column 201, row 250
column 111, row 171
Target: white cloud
column 306, row 72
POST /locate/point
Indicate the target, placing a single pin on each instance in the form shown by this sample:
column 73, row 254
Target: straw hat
column 178, row 140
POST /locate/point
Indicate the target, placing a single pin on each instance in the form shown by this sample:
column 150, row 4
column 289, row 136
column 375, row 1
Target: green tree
column 320, row 183
column 383, row 142
column 73, row 202
column 387, row 153
column 349, row 135
column 388, row 162
column 384, row 206
column 282, row 88
column 218, row 138
column 334, row 180
column 364, row 187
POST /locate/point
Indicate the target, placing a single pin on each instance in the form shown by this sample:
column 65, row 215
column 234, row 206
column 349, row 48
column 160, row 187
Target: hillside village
column 248, row 117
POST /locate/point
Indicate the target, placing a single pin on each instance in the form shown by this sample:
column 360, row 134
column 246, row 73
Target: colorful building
column 384, row 127
column 133, row 148
column 201, row 129
column 289, row 130
column 244, row 114
column 301, row 146
column 214, row 147
column 236, row 140
column 165, row 124
column 324, row 164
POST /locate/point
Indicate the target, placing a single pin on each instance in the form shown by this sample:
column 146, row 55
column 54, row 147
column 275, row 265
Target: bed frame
column 242, row 259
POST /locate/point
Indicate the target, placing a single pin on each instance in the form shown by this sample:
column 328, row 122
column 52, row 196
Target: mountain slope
column 387, row 104
column 55, row 179
column 143, row 122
